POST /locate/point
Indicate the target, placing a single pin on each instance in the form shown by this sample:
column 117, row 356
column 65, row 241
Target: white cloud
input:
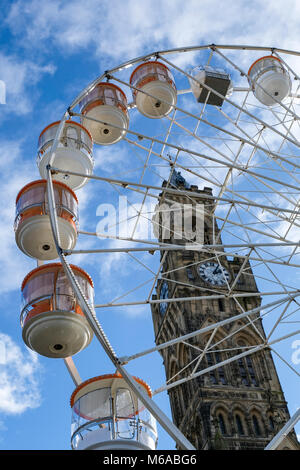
column 20, row 76
column 18, row 172
column 19, row 385
column 135, row 311
column 122, row 30
column 101, row 29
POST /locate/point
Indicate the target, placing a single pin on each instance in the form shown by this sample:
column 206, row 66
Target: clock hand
column 217, row 270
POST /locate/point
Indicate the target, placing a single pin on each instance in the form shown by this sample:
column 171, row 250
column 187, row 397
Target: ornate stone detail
column 244, row 385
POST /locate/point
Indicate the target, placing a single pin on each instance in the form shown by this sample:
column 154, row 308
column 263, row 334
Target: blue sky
column 49, row 52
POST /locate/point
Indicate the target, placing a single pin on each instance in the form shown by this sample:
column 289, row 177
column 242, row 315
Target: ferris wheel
column 214, row 124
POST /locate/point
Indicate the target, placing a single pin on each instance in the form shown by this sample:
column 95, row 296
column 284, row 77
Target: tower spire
column 230, row 404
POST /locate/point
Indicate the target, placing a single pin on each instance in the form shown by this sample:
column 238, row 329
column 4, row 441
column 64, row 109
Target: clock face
column 164, row 294
column 213, row 273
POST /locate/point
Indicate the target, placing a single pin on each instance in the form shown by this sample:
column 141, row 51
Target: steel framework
column 248, row 154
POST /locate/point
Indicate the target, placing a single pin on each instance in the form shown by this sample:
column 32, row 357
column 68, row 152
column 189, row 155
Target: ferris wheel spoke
column 279, row 320
column 252, row 350
column 196, row 246
column 278, row 54
column 285, row 362
column 232, row 166
column 249, row 157
column 209, row 369
column 256, row 118
column 157, row 412
column 151, row 250
column 113, row 302
column 127, row 184
column 186, row 337
column 213, row 159
column 267, row 151
column 279, row 162
column 223, row 294
column 245, row 74
column 207, row 346
column 157, row 275
column 73, row 370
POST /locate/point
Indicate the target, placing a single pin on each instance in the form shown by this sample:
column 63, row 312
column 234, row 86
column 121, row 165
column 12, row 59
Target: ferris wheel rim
column 148, row 56
column 107, row 74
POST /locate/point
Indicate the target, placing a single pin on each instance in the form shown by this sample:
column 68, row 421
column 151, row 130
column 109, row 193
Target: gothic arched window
column 256, row 426
column 239, row 425
column 271, row 423
column 243, row 371
column 217, row 376
column 220, row 370
column 251, row 371
column 246, row 369
column 222, row 424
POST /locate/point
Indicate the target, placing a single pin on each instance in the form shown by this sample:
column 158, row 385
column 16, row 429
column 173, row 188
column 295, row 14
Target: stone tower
column 240, row 405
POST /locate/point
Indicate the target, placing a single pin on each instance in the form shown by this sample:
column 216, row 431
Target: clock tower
column 236, row 406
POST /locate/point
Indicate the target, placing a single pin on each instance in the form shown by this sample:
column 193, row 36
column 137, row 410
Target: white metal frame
column 239, row 204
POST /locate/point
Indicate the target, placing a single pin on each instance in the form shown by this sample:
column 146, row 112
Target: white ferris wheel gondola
column 75, row 148
column 269, row 80
column 107, row 415
column 32, row 223
column 107, row 104
column 154, row 90
column 53, row 323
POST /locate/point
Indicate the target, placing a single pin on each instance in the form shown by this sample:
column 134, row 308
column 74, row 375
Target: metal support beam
column 205, row 196
column 222, row 363
column 209, row 369
column 239, row 202
column 206, row 329
column 72, row 370
column 284, row 431
column 139, row 391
